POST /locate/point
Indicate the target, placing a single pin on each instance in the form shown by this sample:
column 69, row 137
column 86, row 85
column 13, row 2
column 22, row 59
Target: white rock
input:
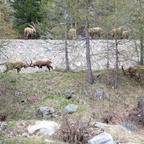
column 103, row 138
column 45, row 127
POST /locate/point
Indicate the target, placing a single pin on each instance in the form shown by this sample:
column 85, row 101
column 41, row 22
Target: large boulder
column 44, row 127
column 69, row 109
column 103, row 138
column 45, row 111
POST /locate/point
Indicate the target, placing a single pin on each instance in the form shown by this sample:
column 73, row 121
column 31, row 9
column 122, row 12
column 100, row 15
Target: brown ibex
column 16, row 65
column 28, row 32
column 133, row 71
column 72, row 34
column 95, row 31
column 40, row 63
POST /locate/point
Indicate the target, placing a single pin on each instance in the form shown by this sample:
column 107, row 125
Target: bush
column 75, row 132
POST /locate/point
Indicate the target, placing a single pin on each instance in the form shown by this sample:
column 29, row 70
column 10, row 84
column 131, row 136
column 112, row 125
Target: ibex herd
column 18, row 65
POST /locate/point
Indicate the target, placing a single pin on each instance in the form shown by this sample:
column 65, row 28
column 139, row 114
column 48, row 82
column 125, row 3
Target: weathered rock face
column 44, row 127
column 45, row 111
column 103, row 138
column 27, row 50
column 69, row 109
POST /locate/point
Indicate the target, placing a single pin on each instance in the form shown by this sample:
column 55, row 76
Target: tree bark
column 116, row 51
column 90, row 76
column 66, row 45
column 141, row 39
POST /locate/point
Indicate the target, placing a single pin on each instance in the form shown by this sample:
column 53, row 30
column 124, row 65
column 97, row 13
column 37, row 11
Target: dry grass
column 49, row 89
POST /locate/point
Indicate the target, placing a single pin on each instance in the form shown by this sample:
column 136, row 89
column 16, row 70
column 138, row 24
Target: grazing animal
column 16, row 65
column 117, row 31
column 126, row 34
column 133, row 71
column 40, row 63
column 95, row 31
column 28, row 32
column 72, row 33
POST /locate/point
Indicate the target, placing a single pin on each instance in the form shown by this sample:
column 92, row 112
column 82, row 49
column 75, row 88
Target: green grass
column 49, row 89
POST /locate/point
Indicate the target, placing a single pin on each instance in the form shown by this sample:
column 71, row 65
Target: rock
column 85, row 93
column 100, row 95
column 100, row 125
column 49, row 141
column 14, row 80
column 45, row 111
column 44, row 127
column 103, row 138
column 69, row 92
column 22, row 100
column 127, row 143
column 2, row 127
column 96, row 74
column 69, row 109
column 54, row 116
column 68, row 96
column 129, row 126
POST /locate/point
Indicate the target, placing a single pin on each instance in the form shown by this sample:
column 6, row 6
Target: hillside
column 22, row 94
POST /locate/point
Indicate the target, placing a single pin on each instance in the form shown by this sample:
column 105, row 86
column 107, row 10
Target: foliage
column 75, row 132
column 6, row 28
column 25, row 11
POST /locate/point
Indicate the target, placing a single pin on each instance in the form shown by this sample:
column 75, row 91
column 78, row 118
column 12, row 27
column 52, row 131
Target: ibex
column 117, row 32
column 28, row 32
column 133, row 71
column 95, row 31
column 16, row 65
column 72, row 33
column 40, row 63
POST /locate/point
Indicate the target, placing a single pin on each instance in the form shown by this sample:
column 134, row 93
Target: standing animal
column 117, row 31
column 126, row 34
column 95, row 31
column 133, row 71
column 40, row 63
column 28, row 32
column 16, row 65
column 72, row 33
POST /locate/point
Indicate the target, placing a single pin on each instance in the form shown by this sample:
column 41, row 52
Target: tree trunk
column 90, row 76
column 141, row 39
column 116, row 51
column 66, row 45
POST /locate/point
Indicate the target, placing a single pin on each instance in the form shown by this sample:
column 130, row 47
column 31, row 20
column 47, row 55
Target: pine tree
column 25, row 11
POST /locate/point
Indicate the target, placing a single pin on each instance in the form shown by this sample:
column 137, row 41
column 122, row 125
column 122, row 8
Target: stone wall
column 26, row 50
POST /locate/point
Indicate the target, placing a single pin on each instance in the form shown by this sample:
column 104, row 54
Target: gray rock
column 45, row 111
column 69, row 92
column 85, row 93
column 129, row 126
column 49, row 141
column 69, row 109
column 100, row 125
column 100, row 95
column 68, row 96
column 96, row 74
column 127, row 143
column 14, row 80
column 103, row 138
column 2, row 127
column 44, row 127
column 54, row 116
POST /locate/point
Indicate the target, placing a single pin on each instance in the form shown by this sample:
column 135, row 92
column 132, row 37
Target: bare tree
column 141, row 38
column 90, row 76
column 116, row 49
column 66, row 45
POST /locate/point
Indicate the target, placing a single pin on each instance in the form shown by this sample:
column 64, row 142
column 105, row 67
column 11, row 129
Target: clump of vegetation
column 75, row 131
